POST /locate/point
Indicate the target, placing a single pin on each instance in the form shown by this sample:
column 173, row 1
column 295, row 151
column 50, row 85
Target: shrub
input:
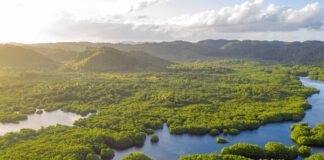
column 234, row 131
column 221, row 140
column 149, row 131
column 316, row 157
column 214, row 132
column 246, row 150
column 92, row 156
column 97, row 147
column 136, row 156
column 304, row 151
column 277, row 150
column 293, row 152
column 225, row 131
column 177, row 130
column 199, row 130
column 123, row 142
column 154, row 138
column 302, row 134
column 212, row 157
column 107, row 153
column 139, row 138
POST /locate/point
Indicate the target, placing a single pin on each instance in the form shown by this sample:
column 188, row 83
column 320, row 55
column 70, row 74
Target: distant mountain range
column 121, row 57
column 288, row 52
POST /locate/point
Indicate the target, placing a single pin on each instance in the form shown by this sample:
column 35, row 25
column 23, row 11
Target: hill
column 16, row 57
column 106, row 59
column 308, row 52
column 287, row 52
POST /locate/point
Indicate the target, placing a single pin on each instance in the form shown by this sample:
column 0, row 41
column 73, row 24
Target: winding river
column 173, row 146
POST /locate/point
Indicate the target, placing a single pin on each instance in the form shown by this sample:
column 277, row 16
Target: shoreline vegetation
column 206, row 97
column 303, row 134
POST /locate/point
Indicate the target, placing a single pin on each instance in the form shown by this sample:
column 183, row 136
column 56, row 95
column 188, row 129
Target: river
column 36, row 121
column 171, row 147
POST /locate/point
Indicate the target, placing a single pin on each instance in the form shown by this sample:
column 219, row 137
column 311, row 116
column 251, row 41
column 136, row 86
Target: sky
column 35, row 21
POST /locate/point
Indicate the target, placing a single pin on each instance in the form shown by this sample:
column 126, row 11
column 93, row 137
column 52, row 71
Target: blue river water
column 171, row 147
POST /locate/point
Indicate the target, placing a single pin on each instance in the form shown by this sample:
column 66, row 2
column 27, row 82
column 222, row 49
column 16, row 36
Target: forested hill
column 106, row 59
column 292, row 52
column 20, row 58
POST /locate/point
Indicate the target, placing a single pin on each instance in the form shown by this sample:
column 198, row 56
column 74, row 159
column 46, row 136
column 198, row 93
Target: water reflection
column 36, row 121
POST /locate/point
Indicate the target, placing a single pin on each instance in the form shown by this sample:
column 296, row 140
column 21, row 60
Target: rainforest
column 126, row 98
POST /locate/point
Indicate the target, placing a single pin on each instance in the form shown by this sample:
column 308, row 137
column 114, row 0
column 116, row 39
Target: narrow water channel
column 171, row 147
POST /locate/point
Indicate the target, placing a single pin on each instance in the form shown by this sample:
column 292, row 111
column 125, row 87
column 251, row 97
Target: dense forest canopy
column 226, row 88
column 195, row 98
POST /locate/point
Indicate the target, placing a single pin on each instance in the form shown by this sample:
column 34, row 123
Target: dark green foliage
column 302, row 134
column 197, row 130
column 293, row 152
column 149, row 131
column 304, row 151
column 214, row 132
column 136, row 156
column 271, row 150
column 107, row 153
column 221, row 140
column 315, row 72
column 92, row 156
column 63, row 141
column 177, row 130
column 154, row 138
column 194, row 98
column 277, row 150
column 225, row 131
column 246, row 150
column 212, row 157
column 316, row 157
column 234, row 131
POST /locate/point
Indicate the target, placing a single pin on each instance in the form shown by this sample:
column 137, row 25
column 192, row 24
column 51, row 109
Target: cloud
column 310, row 11
column 252, row 16
column 248, row 18
column 137, row 5
column 114, row 29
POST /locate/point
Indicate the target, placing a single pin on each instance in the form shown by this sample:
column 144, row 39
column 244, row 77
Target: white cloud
column 123, row 20
column 135, row 5
column 251, row 16
column 310, row 11
column 248, row 17
column 113, row 29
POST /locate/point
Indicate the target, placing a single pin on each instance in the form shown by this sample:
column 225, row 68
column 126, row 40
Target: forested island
column 129, row 93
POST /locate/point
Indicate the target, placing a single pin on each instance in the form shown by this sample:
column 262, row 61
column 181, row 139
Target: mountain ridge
column 307, row 52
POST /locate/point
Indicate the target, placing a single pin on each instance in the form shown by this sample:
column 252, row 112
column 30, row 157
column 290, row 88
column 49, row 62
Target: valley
column 112, row 101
